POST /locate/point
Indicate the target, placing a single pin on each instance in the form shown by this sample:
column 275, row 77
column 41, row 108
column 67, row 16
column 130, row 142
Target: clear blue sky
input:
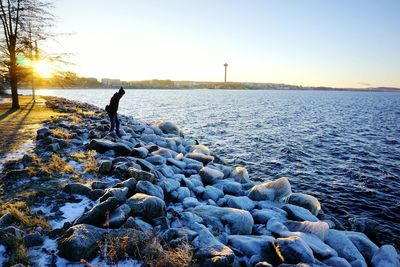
column 340, row 43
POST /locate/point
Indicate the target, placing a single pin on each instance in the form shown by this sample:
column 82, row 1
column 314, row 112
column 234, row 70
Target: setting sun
column 43, row 69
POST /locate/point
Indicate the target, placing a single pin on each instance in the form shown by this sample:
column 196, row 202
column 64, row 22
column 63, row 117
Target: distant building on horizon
column 106, row 82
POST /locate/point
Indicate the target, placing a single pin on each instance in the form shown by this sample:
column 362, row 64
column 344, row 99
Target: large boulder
column 240, row 175
column 306, row 201
column 337, row 262
column 344, row 247
column 264, row 215
column 319, row 229
column 149, row 189
column 209, row 251
column 212, row 192
column 294, row 250
column 169, row 185
column 141, row 175
column 385, row 256
column 254, row 245
column 119, row 193
column 210, row 176
column 229, row 187
column 243, row 203
column 77, row 188
column 205, row 159
column 275, row 190
column 97, row 215
column 240, row 221
column 129, row 183
column 149, row 207
column 80, row 242
column 168, row 127
column 366, row 247
column 319, row 248
column 118, row 216
column 104, row 145
column 297, row 213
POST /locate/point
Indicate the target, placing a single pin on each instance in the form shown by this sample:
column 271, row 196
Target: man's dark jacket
column 114, row 102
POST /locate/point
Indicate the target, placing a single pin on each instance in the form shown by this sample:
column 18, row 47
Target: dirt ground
column 19, row 125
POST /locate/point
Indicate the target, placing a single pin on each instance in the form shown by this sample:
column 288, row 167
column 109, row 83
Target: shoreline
column 185, row 186
column 395, row 90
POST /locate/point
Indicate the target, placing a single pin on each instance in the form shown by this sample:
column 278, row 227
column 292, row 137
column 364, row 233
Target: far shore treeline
column 70, row 80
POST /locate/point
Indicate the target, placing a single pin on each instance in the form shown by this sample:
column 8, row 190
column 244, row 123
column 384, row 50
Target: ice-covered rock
column 240, row 221
column 306, row 201
column 319, row 248
column 229, row 187
column 205, row 159
column 297, row 213
column 337, row 262
column 168, row 127
column 385, row 256
column 344, row 247
column 210, row 176
column 276, row 226
column 183, row 192
column 319, row 229
column 264, row 215
column 240, row 175
column 243, row 203
column 275, row 190
column 190, row 202
column 149, row 207
column 209, row 251
column 254, row 245
column 366, row 247
column 212, row 192
column 169, row 185
column 294, row 250
column 149, row 189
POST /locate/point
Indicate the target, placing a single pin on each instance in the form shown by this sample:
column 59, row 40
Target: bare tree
column 22, row 21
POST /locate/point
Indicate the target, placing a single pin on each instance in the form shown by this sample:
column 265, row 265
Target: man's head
column 121, row 91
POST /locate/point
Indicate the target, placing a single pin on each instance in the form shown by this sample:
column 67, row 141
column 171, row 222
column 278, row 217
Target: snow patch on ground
column 71, row 211
column 18, row 154
column 3, row 258
column 46, row 255
column 43, row 255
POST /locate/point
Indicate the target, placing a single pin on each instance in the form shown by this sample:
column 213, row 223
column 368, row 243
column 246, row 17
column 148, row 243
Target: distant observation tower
column 226, row 67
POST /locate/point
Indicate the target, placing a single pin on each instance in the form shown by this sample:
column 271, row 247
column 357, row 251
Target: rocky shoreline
column 156, row 198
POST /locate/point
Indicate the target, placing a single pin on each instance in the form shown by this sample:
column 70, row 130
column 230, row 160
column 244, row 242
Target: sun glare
column 43, row 69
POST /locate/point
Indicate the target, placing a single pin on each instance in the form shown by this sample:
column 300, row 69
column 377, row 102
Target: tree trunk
column 14, row 79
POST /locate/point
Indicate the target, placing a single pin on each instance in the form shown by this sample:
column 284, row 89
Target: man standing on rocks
column 113, row 108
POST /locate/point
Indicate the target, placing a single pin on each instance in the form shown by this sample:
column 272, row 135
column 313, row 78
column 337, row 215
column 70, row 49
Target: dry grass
column 88, row 159
column 90, row 162
column 23, row 215
column 75, row 119
column 17, row 250
column 147, row 248
column 78, row 156
column 77, row 178
column 61, row 133
column 58, row 165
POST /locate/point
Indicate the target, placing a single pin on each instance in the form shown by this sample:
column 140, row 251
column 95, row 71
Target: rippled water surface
column 342, row 147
